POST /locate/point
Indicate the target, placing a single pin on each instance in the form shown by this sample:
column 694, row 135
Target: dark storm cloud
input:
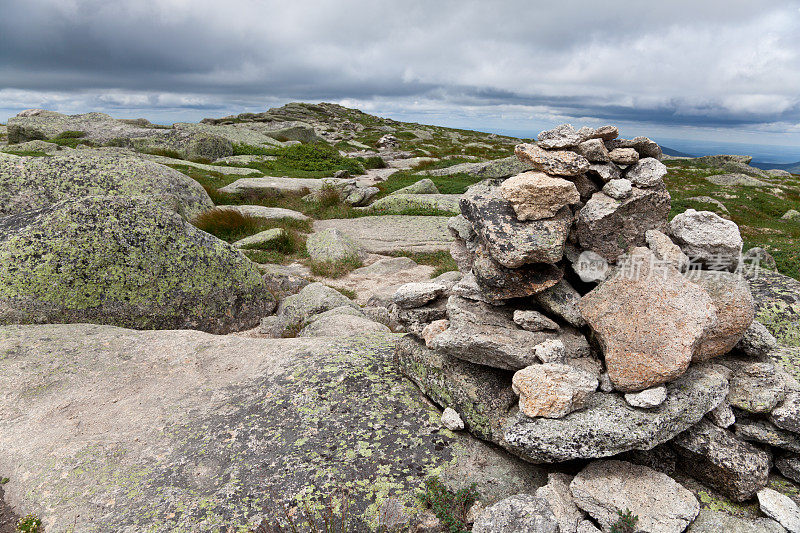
column 712, row 63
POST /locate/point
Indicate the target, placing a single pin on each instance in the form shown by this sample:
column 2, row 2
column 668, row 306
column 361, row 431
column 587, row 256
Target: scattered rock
column 398, row 204
column 451, row 420
column 787, row 414
column 393, row 233
column 605, row 488
column 562, row 300
column 342, row 325
column 261, row 238
column 648, row 398
column 423, row 186
column 552, row 390
column 550, row 351
column 789, row 466
column 618, row 189
column 534, row 321
column 266, row 213
column 736, row 180
column 535, row 195
column 493, row 169
column 708, row 238
column 593, row 150
column 523, row 512
column 757, row 388
column 605, row 171
column 554, row 163
column 313, row 299
column 780, row 508
column 417, row 294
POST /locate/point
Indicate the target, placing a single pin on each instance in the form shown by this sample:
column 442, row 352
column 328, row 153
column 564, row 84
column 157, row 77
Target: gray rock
column 722, row 415
column 500, row 283
column 717, row 458
column 493, row 169
column 763, row 432
column 266, row 213
column 648, row 172
column 313, row 299
column 778, row 173
column 618, row 189
column 787, row 414
column 609, row 426
column 523, row 512
column 332, row 245
column 487, row 335
column 282, row 282
column 647, row 339
column 95, row 260
column 35, row 183
column 791, row 214
column 757, row 388
column 736, row 180
column 593, row 150
column 554, row 163
column 261, row 238
column 461, row 228
column 552, row 390
column 510, row 242
column 535, row 195
column 393, row 233
column 534, row 321
column 587, row 527
column 559, row 498
column 609, row 227
column 423, row 186
column 780, row 508
column 758, row 258
column 270, row 186
column 709, row 521
column 643, row 146
column 623, row 156
column 562, row 136
column 648, row 398
column 562, row 300
column 707, row 238
column 605, row 488
column 417, row 294
column 605, row 171
column 397, row 204
column 342, row 325
column 550, row 351
column 666, row 250
column 451, row 420
column 789, row 467
column 31, row 146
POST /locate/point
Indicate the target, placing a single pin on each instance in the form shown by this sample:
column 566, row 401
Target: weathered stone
column 38, row 182
column 609, row 227
column 423, row 186
column 757, row 258
column 593, row 150
column 281, row 281
column 550, row 351
column 605, row 488
column 623, row 156
column 605, row 171
column 501, row 283
column 535, row 195
column 731, row 297
column 789, row 467
column 791, row 214
column 341, row 325
column 722, row 415
column 461, row 228
column 487, row 335
column 552, row 390
column 417, row 294
column 313, row 299
column 709, row 521
column 780, row 508
column 777, row 300
column 666, row 250
column 261, row 239
column 649, row 320
column 562, row 300
column 534, row 321
column 433, row 329
column 707, row 238
column 559, row 498
column 493, row 169
column 398, row 204
column 643, row 146
column 97, row 259
column 451, row 420
column 757, row 388
column 761, row 431
column 648, row 398
column 523, row 512
column 510, row 242
column 716, row 457
column 333, row 245
column 376, row 283
column 393, row 233
column 736, row 180
column 787, row 414
column 30, row 147
column 609, row 426
column 618, row 189
column 648, row 172
column 587, row 526
column 554, row 163
column 562, row 136
column 266, row 213
column 586, row 187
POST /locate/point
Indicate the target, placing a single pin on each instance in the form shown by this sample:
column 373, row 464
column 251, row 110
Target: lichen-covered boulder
column 189, row 144
column 333, row 245
column 127, row 262
column 34, row 183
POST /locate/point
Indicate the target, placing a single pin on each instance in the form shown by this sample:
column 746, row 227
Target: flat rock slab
column 272, row 185
column 109, row 429
column 268, row 213
column 394, row 233
column 399, row 203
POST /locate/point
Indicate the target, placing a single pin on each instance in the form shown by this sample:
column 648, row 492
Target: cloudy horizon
column 719, row 72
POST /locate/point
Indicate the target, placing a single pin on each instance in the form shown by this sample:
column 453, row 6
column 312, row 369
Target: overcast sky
column 722, row 70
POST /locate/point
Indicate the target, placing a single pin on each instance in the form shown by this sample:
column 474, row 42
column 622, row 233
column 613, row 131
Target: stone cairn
column 585, row 325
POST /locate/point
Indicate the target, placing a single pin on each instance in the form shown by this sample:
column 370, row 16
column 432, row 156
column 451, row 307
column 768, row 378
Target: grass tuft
column 449, row 507
column 442, row 261
column 334, row 269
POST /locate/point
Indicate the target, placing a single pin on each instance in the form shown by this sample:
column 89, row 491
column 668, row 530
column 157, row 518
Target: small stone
column 757, row 388
column 648, row 398
column 787, row 414
column 552, row 390
column 562, row 300
column 647, row 172
column 666, row 250
column 624, row 156
column 708, row 238
column 594, row 150
column 535, row 195
column 433, row 329
column 423, row 186
column 451, row 420
column 501, row 283
column 559, row 497
column 618, row 189
column 605, row 383
column 562, row 136
column 262, row 238
column 551, row 351
column 757, row 341
column 522, row 512
column 780, row 508
column 534, row 321
column 426, row 522
column 417, row 294
column 605, row 488
column 474, row 512
column 555, row 163
column 605, row 171
column 763, row 432
column 587, row 527
column 722, row 415
column 789, row 466
column 332, row 245
column 791, row 214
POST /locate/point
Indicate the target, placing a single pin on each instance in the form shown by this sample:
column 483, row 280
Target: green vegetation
column 303, row 161
column 441, row 260
column 373, row 161
column 757, row 210
column 334, row 269
column 227, row 224
column 71, row 139
column 249, row 149
column 29, row 524
column 30, row 154
column 452, row 184
column 450, row 507
column 626, row 523
column 163, row 152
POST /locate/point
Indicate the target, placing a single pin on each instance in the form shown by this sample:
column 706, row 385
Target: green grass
column 756, row 210
column 71, row 139
column 334, row 269
column 442, row 261
column 30, row 154
column 371, row 162
column 305, row 161
column 249, row 149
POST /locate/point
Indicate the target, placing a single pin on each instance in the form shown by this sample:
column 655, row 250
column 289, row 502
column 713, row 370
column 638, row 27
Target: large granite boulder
column 33, row 183
column 510, row 242
column 127, row 262
column 650, row 321
column 609, row 227
column 731, row 297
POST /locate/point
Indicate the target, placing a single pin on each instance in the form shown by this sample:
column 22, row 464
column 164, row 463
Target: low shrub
column 449, row 507
column 227, row 224
column 249, row 149
column 442, row 261
column 29, row 524
column 626, row 523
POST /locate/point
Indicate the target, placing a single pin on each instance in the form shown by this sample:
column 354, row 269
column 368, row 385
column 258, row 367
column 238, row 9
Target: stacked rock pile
column 587, row 325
